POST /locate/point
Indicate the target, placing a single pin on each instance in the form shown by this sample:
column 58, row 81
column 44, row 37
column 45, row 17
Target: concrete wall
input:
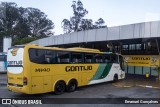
column 7, row 41
column 139, row 30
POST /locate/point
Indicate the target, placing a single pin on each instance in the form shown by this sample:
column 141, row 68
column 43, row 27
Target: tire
column 59, row 88
column 115, row 79
column 72, row 86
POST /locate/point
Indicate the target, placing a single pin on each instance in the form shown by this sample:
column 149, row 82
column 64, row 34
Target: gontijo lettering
column 78, row 68
column 14, row 62
column 140, row 58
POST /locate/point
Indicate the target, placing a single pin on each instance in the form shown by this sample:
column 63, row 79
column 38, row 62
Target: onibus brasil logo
column 14, row 51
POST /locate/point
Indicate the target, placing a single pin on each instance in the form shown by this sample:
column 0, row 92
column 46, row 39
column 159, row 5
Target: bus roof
column 74, row 49
column 83, row 49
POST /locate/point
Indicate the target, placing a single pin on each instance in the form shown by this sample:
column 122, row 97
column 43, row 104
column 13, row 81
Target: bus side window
column 49, row 57
column 89, row 58
column 76, row 58
column 98, row 58
column 5, row 58
column 107, row 58
column 63, row 57
column 1, row 58
column 37, row 55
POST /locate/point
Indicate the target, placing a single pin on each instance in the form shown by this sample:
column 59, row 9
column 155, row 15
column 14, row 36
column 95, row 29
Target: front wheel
column 115, row 79
column 59, row 88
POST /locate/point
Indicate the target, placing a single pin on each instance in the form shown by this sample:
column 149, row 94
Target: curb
column 122, row 86
column 147, row 86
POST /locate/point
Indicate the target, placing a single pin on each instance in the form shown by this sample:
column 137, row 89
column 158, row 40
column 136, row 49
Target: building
column 141, row 40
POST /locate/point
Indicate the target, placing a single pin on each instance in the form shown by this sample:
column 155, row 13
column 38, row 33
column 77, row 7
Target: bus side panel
column 37, row 85
column 106, row 72
column 47, row 84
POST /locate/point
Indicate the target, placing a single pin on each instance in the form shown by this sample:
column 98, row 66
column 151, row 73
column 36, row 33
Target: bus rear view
column 16, row 79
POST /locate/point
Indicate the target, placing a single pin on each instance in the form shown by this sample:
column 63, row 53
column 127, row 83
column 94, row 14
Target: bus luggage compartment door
column 47, row 84
column 37, row 85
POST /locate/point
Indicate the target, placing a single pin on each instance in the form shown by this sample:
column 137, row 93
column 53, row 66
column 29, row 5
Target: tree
column 27, row 23
column 67, row 27
column 78, row 13
column 73, row 24
column 22, row 29
column 38, row 23
column 10, row 20
column 77, row 21
column 99, row 23
column 86, row 24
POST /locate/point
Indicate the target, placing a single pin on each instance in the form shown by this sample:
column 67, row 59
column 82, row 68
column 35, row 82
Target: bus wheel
column 72, row 86
column 115, row 79
column 59, row 88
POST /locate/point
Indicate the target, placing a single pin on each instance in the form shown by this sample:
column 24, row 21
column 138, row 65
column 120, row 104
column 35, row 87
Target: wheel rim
column 60, row 88
column 72, row 86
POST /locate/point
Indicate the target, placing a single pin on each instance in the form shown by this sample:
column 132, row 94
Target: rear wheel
column 59, row 88
column 72, row 86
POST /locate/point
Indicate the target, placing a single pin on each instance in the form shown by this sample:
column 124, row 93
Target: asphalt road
column 104, row 90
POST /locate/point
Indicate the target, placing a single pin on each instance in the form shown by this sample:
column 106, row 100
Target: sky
column 114, row 12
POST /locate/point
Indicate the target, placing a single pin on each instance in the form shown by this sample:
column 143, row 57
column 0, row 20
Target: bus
column 141, row 55
column 3, row 62
column 34, row 69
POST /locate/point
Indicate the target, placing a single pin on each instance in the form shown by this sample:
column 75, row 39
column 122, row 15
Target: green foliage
column 78, row 13
column 19, row 23
column 23, row 40
column 38, row 22
column 100, row 23
column 66, row 25
column 77, row 21
column 7, row 23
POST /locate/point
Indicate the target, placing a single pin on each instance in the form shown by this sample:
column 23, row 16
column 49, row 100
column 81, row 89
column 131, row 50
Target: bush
column 18, row 41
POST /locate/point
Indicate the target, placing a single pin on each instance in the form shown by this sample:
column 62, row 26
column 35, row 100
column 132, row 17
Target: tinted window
column 76, row 57
column 89, row 58
column 114, row 58
column 37, row 55
column 42, row 56
column 3, row 57
column 111, row 58
column 63, row 57
column 107, row 58
column 98, row 58
column 50, row 57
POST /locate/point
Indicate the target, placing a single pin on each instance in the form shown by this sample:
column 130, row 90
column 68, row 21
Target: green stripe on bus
column 99, row 72
column 106, row 71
